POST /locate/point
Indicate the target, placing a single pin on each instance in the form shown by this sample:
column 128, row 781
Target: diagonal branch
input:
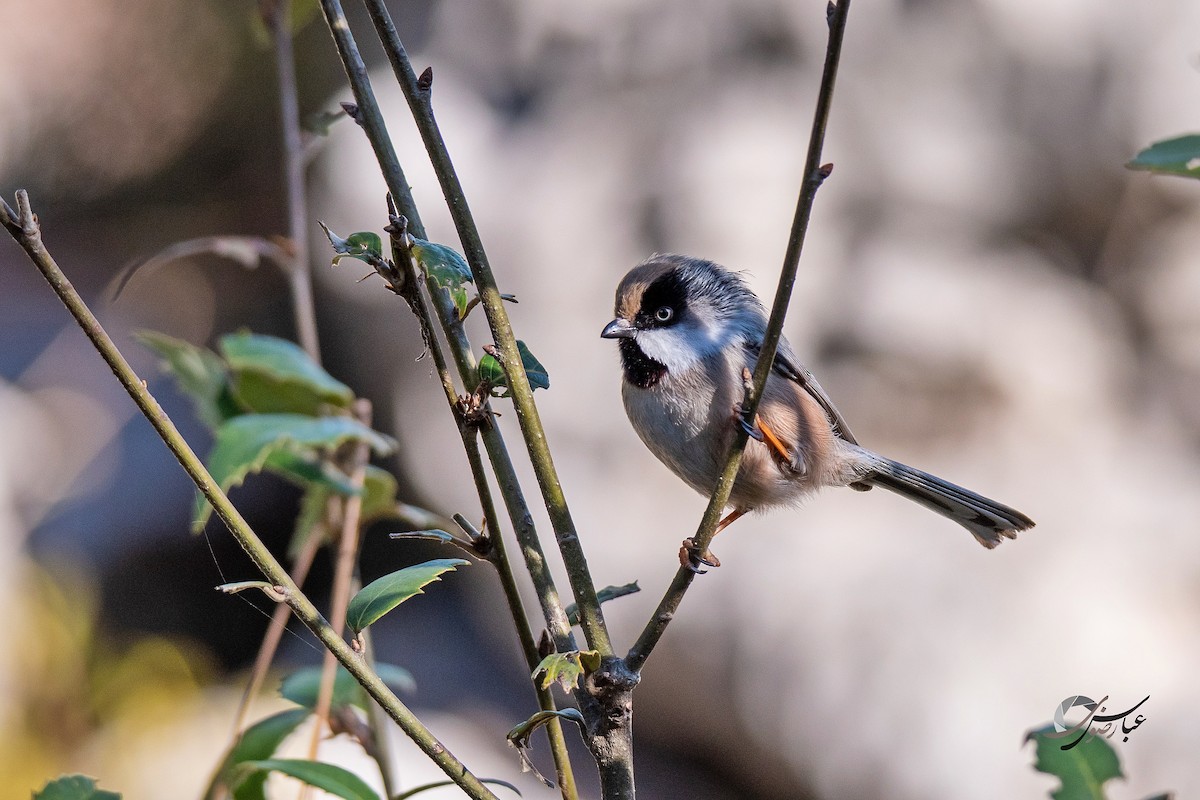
column 417, row 92
column 23, row 226
column 814, row 175
column 368, row 116
column 405, row 284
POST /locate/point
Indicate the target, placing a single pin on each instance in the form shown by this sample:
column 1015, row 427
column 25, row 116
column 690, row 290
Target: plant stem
column 294, row 163
column 417, row 92
column 814, row 175
column 344, row 570
column 409, row 289
column 274, row 634
column 23, row 226
column 369, row 117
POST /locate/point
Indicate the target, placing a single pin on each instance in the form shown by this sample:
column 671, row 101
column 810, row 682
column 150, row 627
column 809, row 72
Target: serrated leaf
column 244, row 444
column 199, row 372
column 1177, row 156
column 1083, row 770
column 302, row 686
column 328, row 777
column 272, row 375
column 381, row 596
column 259, row 741
column 566, row 668
column 604, row 595
column 492, row 372
column 305, row 468
column 363, row 245
column 444, row 265
column 379, row 501
column 74, row 787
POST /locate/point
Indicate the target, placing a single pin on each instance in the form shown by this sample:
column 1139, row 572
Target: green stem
column 23, row 226
column 814, row 175
column 408, row 288
column 417, row 93
column 299, row 274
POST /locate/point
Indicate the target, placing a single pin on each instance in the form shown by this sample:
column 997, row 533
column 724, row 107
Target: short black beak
column 618, row 329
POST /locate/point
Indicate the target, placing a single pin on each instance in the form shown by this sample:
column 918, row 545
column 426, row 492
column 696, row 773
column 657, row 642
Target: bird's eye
column 664, row 314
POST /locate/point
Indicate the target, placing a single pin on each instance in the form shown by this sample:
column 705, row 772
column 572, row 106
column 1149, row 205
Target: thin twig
column 344, row 569
column 24, row 228
column 294, row 164
column 274, row 634
column 369, row 117
column 814, row 175
column 296, row 263
column 408, row 289
column 417, row 92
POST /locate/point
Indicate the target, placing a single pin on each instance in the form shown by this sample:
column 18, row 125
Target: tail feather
column 986, row 519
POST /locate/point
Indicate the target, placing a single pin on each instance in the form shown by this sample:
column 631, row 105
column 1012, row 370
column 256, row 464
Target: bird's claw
column 691, row 558
column 751, row 428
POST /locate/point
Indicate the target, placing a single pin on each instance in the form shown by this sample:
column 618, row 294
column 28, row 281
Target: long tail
column 986, row 519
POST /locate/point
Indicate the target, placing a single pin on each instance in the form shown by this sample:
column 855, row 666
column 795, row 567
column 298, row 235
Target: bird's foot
column 691, row 557
column 751, row 428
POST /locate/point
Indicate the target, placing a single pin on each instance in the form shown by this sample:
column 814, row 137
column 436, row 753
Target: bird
column 688, row 332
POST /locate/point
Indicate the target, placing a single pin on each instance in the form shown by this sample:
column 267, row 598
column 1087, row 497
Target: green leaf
column 492, row 372
column 311, row 519
column 199, row 372
column 74, row 787
column 379, row 500
column 381, row 596
column 379, row 495
column 566, row 668
column 416, row 790
column 306, row 468
column 259, row 741
column 273, row 375
column 445, row 267
column 1083, row 770
column 333, row 779
column 302, row 686
column 364, row 245
column 1178, row 156
column 244, row 444
column 604, row 595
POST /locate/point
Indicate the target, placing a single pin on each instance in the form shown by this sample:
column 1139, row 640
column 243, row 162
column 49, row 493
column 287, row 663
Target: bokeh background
column 985, row 292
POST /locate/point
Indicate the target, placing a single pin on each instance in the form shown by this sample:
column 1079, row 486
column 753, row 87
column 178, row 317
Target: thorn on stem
column 545, row 644
column 426, row 80
column 830, row 10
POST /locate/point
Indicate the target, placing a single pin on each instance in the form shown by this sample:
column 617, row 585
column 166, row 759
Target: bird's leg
column 690, row 555
column 761, row 432
column 772, row 441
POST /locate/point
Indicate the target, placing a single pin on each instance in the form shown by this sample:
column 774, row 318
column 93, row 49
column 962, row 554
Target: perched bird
column 688, row 330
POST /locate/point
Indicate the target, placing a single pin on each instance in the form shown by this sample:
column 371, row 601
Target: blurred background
column 986, row 293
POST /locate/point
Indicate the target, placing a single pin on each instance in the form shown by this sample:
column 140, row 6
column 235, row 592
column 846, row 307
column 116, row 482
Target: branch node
column 353, row 112
column 25, row 216
column 823, row 172
column 830, row 10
